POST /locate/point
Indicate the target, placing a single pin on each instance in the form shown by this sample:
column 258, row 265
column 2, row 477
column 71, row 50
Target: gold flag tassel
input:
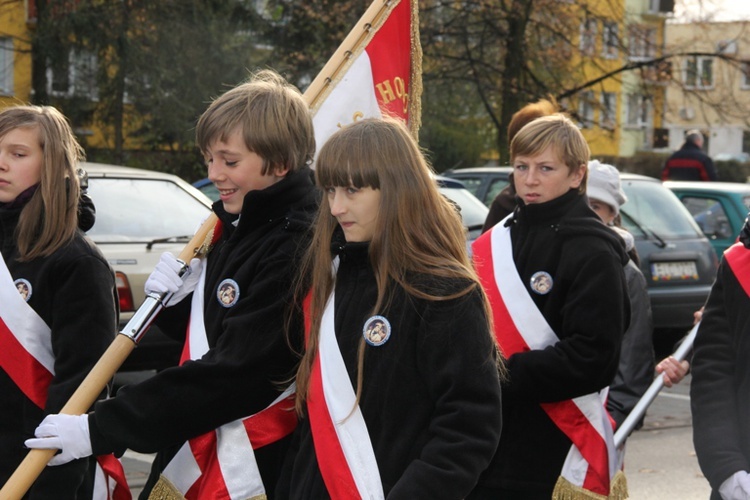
column 565, row 490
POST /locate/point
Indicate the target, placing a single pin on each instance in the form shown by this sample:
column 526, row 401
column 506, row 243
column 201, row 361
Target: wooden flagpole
column 375, row 14
column 103, row 371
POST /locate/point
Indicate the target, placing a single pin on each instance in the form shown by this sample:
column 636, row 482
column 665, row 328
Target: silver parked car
column 139, row 215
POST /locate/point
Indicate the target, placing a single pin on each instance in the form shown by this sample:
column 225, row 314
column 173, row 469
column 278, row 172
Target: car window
column 140, row 210
column 496, row 186
column 710, row 215
column 473, row 211
column 652, row 208
column 210, row 190
column 471, row 183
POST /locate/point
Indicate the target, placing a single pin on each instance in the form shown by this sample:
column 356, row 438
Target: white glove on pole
column 165, row 278
column 68, row 433
column 736, row 486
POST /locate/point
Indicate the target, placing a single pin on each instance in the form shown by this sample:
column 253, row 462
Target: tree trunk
column 513, row 70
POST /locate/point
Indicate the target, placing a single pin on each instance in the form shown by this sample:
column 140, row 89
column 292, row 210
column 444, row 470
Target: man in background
column 690, row 163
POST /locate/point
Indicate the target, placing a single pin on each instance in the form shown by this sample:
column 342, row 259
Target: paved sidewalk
column 137, row 467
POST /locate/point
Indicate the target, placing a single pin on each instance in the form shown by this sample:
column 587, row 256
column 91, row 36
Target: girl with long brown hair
column 399, row 383
column 58, row 302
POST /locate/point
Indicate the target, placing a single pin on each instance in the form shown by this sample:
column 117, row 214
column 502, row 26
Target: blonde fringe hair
column 419, row 231
column 50, row 218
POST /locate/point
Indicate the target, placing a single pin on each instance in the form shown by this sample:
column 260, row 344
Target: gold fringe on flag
column 415, row 79
column 165, row 490
column 565, row 490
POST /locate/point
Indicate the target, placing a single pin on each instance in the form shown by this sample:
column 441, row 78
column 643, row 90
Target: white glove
column 165, row 278
column 68, row 433
column 736, row 487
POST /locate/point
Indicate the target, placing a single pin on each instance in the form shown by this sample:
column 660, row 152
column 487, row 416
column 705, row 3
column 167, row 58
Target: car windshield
column 141, row 210
column 473, row 211
column 653, row 211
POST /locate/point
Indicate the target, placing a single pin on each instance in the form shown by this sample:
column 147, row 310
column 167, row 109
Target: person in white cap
column 635, row 371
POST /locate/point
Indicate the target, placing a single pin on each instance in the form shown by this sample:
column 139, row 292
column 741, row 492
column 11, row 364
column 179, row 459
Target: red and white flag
column 377, row 71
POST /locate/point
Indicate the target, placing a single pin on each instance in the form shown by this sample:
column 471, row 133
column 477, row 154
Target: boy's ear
column 578, row 175
column 280, row 170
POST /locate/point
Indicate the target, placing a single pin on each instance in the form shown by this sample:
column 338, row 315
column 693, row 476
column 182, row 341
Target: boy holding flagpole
column 220, row 420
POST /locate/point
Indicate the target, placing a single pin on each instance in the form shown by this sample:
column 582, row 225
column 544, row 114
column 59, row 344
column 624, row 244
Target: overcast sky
column 717, row 10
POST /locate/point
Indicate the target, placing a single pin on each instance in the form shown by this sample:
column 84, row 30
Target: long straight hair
column 50, row 218
column 418, row 231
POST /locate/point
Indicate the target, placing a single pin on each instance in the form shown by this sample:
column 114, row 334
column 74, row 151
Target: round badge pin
column 377, row 331
column 541, row 282
column 228, row 293
column 24, row 288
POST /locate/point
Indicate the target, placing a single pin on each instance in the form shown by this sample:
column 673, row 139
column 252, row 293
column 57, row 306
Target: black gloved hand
column 745, row 232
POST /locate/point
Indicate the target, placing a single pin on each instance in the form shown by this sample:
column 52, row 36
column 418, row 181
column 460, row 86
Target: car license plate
column 666, row 271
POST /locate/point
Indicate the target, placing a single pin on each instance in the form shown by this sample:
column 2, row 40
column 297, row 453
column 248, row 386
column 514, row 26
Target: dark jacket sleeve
column 456, row 356
column 719, row 377
column 635, row 371
column 235, row 378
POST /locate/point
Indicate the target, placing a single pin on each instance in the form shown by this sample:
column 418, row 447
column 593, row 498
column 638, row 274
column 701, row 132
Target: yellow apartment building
column 622, row 114
column 712, row 90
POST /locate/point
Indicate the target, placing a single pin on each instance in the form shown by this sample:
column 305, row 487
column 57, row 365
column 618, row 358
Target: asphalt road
column 660, row 462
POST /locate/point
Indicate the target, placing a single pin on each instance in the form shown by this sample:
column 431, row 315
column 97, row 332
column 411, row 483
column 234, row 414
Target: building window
column 745, row 80
column 608, row 110
column 6, row 66
column 74, row 75
column 638, row 111
column 699, row 72
column 642, row 42
column 586, row 109
column 588, row 36
column 610, row 40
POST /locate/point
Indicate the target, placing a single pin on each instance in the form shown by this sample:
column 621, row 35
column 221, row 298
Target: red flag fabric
column 382, row 76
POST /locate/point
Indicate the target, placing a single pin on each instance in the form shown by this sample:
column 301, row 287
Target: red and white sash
column 342, row 444
column 221, row 463
column 519, row 327
column 738, row 258
column 26, row 356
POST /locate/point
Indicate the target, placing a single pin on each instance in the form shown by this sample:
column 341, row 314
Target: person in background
column 635, row 370
column 257, row 140
column 66, row 316
column 690, row 163
column 554, row 277
column 400, row 358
